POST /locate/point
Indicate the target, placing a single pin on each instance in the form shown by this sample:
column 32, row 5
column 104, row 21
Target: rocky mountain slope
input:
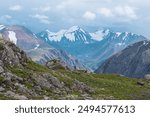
column 43, row 55
column 90, row 48
column 21, row 78
column 132, row 62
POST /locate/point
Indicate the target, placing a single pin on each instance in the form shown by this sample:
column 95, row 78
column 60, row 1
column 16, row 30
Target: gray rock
column 46, row 98
column 1, row 89
column 42, row 81
column 20, row 97
column 24, row 90
column 87, row 97
column 80, row 86
column 147, row 76
column 140, row 83
column 1, row 69
column 10, row 94
column 54, row 81
column 9, row 76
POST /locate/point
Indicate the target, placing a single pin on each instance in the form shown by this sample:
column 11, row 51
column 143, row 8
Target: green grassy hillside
column 104, row 86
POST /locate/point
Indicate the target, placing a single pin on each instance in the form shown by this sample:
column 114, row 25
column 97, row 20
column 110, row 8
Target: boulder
column 80, row 86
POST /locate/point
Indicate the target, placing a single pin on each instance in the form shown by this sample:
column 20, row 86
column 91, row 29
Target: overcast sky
column 119, row 15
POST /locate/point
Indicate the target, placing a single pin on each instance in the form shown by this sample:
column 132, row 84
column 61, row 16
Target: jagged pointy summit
column 133, row 61
column 73, row 34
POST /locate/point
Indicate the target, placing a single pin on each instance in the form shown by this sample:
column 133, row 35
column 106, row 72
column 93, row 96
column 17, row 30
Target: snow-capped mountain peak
column 77, row 35
column 74, row 33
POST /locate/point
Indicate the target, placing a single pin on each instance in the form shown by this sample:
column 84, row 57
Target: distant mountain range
column 76, row 47
column 91, row 49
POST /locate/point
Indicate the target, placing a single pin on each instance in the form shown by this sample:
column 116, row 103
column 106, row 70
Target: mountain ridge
column 133, row 61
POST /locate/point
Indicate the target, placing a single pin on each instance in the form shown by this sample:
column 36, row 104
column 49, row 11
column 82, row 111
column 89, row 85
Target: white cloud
column 89, row 15
column 105, row 11
column 121, row 12
column 126, row 11
column 16, row 8
column 65, row 4
column 7, row 17
column 42, row 18
column 43, row 9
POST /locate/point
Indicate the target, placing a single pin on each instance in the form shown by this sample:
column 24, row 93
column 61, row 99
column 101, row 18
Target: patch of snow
column 12, row 37
column 145, row 43
column 86, row 42
column 42, row 35
column 34, row 35
column 82, row 30
column 70, row 36
column 120, row 44
column 37, row 46
column 84, row 37
column 46, row 39
column 126, row 34
column 56, row 36
column 2, row 27
column 118, row 33
column 98, row 36
column 106, row 32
